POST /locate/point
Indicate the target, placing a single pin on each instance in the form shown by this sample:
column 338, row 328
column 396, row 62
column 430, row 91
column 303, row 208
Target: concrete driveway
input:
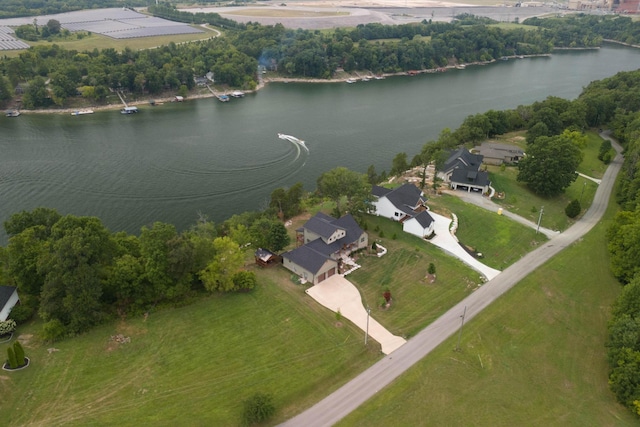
column 337, row 293
column 447, row 242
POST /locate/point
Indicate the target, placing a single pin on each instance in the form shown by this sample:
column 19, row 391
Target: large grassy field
column 98, row 41
column 535, row 357
column 194, row 363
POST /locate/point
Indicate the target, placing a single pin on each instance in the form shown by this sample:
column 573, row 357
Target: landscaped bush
column 432, row 268
column 7, row 327
column 573, row 209
column 21, row 313
column 53, row 330
column 18, row 350
column 258, row 408
column 11, row 358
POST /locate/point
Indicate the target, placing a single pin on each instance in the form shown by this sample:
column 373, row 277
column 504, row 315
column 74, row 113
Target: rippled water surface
column 169, row 162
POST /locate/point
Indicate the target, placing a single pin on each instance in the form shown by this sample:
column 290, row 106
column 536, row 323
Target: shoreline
column 264, row 81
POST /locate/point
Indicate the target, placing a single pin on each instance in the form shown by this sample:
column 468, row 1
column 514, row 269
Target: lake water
column 169, row 162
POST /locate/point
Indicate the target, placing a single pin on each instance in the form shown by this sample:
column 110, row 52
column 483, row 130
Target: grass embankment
column 501, row 240
column 198, row 362
column 535, row 357
column 416, row 301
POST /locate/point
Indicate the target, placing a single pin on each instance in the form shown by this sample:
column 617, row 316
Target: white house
column 398, row 204
column 8, row 299
column 420, row 225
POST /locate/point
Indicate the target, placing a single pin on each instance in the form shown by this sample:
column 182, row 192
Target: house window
column 362, row 239
column 396, row 214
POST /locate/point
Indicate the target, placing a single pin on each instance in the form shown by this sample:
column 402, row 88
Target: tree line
column 50, row 75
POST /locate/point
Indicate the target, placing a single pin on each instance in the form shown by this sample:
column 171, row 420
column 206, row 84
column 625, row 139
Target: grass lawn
column 535, row 357
column 99, row 42
column 591, row 165
column 501, row 240
column 200, row 360
column 416, row 301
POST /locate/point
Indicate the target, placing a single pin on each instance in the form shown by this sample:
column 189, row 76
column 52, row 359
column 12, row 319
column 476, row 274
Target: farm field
column 535, row 357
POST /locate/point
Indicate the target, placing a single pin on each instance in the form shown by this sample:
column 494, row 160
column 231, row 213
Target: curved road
column 346, row 399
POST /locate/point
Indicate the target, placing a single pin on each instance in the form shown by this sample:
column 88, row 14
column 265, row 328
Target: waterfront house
column 324, row 242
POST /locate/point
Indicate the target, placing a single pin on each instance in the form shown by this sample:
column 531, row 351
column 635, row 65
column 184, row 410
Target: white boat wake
column 293, row 139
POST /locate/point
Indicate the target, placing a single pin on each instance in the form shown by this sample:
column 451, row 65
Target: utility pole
column 582, row 192
column 464, row 313
column 539, row 219
column 366, row 335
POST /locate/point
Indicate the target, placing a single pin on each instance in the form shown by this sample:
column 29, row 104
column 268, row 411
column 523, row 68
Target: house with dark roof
column 324, row 241
column 462, row 172
column 8, row 299
column 398, row 204
column 421, row 225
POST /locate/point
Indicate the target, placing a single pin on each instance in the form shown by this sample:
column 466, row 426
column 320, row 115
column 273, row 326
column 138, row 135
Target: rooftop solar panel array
column 114, row 23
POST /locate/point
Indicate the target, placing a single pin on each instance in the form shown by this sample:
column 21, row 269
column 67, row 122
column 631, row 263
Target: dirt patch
column 338, row 324
column 430, row 278
column 25, row 340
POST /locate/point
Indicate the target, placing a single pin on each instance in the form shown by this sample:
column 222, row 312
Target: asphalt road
column 343, row 401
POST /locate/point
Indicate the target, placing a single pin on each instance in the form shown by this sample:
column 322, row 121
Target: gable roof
column 462, row 159
column 378, row 191
column 479, row 178
column 406, row 197
column 424, row 219
column 322, row 225
column 5, row 294
column 307, row 258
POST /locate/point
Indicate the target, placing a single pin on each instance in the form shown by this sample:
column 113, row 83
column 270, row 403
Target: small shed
column 8, row 299
column 265, row 258
column 179, row 98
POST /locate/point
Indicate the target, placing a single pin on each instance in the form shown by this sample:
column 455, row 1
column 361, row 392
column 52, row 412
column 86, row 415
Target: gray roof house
column 400, row 203
column 324, row 241
column 462, row 172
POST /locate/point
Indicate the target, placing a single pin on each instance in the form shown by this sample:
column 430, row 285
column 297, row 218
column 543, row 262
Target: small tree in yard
column 431, row 269
column 258, row 408
column 573, row 209
column 387, row 295
column 11, row 358
column 19, row 353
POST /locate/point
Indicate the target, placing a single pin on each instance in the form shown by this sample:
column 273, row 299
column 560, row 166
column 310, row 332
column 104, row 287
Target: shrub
column 11, row 358
column 53, row 330
column 394, row 237
column 432, row 268
column 573, row 209
column 338, row 315
column 258, row 408
column 7, row 327
column 381, row 233
column 21, row 313
column 19, row 353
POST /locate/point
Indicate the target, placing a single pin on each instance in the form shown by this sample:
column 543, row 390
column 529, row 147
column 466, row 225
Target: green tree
column 19, row 352
column 399, row 164
column 269, row 234
column 36, row 95
column 11, row 358
column 550, row 165
column 341, row 182
column 53, row 26
column 258, row 408
column 245, row 280
column 573, row 208
column 228, row 260
column 624, row 245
